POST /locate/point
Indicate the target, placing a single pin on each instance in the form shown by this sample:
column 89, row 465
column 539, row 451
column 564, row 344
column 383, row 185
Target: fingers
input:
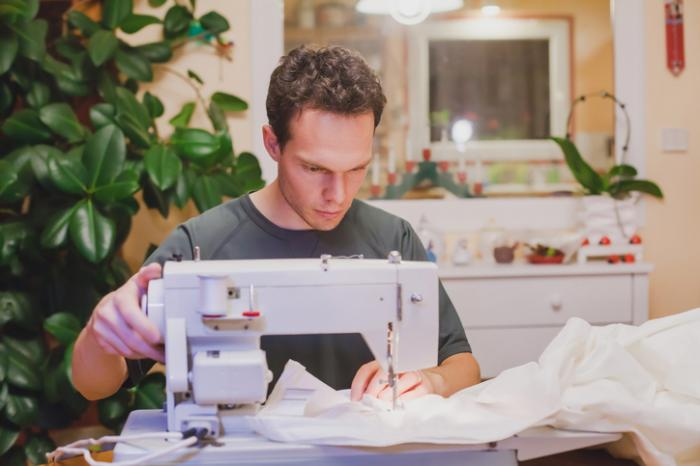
column 362, row 379
column 377, row 384
column 408, row 381
column 145, row 275
column 416, row 392
column 110, row 328
column 128, row 306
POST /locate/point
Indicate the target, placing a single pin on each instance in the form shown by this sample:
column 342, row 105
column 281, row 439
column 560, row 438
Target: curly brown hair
column 333, row 79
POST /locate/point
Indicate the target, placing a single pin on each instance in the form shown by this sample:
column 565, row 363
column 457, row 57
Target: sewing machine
column 212, row 314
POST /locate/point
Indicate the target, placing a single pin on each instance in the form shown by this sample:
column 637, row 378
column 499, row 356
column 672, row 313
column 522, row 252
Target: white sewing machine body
column 212, row 314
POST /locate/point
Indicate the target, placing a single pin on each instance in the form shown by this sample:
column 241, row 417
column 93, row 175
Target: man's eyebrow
column 314, row 164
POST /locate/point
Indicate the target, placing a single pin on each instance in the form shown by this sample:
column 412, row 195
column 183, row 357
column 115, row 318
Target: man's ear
column 271, row 143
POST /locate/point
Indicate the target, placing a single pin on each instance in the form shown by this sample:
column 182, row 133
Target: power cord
column 187, row 438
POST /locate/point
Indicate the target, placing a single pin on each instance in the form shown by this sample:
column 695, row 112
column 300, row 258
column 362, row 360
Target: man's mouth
column 328, row 213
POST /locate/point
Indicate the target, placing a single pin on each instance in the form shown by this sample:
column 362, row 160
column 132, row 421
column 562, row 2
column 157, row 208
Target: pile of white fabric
column 644, row 381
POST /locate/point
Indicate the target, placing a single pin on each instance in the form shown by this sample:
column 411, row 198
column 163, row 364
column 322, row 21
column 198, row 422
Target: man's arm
column 117, row 328
column 454, row 373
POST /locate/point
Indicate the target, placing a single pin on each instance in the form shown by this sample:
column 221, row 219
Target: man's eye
column 313, row 169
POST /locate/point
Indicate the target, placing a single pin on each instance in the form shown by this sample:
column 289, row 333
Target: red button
column 251, row 313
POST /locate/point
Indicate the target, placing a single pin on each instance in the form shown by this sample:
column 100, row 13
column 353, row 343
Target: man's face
column 324, row 163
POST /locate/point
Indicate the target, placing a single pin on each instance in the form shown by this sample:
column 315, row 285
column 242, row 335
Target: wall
column 672, row 225
column 232, row 77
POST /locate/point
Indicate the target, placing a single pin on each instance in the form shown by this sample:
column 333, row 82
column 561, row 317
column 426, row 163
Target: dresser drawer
column 530, row 301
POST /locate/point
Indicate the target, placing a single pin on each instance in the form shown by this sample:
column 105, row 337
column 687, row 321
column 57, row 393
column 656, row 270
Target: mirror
column 482, row 93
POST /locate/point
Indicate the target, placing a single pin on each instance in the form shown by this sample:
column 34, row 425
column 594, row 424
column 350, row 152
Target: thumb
column 146, row 274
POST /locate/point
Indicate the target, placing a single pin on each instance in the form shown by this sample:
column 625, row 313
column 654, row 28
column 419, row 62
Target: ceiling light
column 407, row 11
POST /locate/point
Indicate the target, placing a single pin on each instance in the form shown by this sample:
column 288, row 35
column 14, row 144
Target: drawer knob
column 556, row 302
column 416, row 298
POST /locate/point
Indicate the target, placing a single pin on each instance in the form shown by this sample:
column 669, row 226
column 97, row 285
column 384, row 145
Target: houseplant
column 79, row 143
column 609, row 197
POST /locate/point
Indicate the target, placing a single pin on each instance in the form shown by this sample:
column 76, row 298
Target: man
column 323, row 107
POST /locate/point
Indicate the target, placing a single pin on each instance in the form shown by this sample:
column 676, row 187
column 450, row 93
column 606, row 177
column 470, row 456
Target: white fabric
column 641, row 380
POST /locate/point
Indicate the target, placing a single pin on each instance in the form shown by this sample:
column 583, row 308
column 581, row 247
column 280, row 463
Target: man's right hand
column 119, row 325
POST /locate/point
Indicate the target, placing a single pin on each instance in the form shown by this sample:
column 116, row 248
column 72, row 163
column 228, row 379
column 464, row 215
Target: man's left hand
column 372, row 380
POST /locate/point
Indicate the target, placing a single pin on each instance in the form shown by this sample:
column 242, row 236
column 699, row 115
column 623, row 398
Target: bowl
column 537, row 259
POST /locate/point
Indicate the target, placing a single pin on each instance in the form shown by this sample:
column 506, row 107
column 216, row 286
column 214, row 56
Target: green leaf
column 150, row 393
column 163, row 166
column 582, row 171
column 154, row 198
column 206, row 192
column 3, row 372
column 177, row 21
column 38, row 95
column 127, row 104
column 9, row 48
column 194, row 143
column 133, row 64
column 194, row 76
column 64, row 326
column 248, row 172
column 228, row 102
column 59, row 117
column 4, row 392
column 126, row 184
column 156, row 3
column 104, row 155
column 112, row 411
column 153, row 105
column 68, row 174
column 8, row 436
column 622, row 170
column 115, row 11
column 32, row 39
column 21, row 410
column 156, row 52
column 624, row 187
column 182, row 191
column 37, row 447
column 214, row 23
column 7, row 177
column 106, row 86
column 132, row 129
column 56, row 230
column 217, row 117
column 20, row 165
column 102, row 46
column 31, row 350
column 134, row 23
column 40, row 155
column 83, row 23
column 182, row 119
column 25, row 126
column 102, row 114
column 17, row 307
column 7, row 99
column 22, row 372
column 91, row 232
column 18, row 10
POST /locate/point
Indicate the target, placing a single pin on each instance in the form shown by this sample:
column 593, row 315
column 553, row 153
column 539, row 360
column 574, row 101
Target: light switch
column 674, row 139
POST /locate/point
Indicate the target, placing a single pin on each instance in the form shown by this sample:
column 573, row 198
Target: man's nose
column 335, row 190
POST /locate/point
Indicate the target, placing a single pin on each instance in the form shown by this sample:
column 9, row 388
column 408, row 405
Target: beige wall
column 673, row 225
column 232, row 77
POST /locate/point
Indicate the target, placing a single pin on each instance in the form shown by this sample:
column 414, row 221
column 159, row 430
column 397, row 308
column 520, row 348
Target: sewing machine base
column 245, row 449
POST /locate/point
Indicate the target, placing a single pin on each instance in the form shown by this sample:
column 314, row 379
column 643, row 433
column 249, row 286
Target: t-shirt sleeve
column 178, row 245
column 452, row 339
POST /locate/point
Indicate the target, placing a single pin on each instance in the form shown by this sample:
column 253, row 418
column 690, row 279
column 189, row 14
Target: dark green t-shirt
column 237, row 230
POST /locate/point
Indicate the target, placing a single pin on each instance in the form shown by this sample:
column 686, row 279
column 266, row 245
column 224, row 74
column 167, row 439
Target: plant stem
column 189, row 82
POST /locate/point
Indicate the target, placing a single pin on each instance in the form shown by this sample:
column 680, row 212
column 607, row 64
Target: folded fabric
column 644, row 381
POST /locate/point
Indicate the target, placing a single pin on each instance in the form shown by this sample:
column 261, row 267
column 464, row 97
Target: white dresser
column 511, row 312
